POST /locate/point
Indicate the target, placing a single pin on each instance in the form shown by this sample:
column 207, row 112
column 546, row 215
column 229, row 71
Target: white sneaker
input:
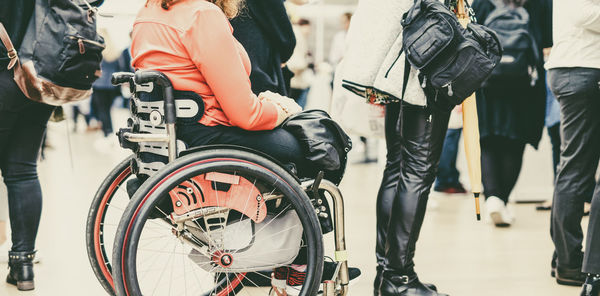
column 498, row 212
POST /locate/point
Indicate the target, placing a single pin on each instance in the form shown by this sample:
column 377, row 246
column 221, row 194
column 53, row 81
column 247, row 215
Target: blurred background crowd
column 320, row 29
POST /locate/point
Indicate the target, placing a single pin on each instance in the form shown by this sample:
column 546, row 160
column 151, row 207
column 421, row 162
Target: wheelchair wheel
column 106, row 210
column 212, row 223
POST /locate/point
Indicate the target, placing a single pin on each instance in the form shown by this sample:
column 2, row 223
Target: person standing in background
column 104, row 93
column 301, row 64
column 338, row 44
column 448, row 177
column 574, row 72
column 264, row 29
column 511, row 116
column 103, row 96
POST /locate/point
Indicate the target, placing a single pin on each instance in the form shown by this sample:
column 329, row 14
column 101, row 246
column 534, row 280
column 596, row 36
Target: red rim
column 237, row 280
column 99, row 257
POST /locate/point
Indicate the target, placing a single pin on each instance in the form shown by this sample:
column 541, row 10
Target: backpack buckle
column 90, row 15
column 12, row 53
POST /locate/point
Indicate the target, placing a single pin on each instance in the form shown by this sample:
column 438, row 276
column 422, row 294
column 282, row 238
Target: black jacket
column 14, row 15
column 517, row 112
column 265, row 31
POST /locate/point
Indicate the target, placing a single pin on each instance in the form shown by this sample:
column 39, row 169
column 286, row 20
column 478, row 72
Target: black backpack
column 521, row 53
column 453, row 61
column 61, row 51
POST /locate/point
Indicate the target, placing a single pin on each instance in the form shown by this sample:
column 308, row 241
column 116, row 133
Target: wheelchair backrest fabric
column 147, row 116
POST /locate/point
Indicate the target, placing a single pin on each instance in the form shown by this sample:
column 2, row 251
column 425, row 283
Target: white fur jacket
column 373, row 43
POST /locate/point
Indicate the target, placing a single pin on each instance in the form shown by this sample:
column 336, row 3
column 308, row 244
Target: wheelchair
column 213, row 220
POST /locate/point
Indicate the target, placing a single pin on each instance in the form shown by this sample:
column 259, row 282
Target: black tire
column 97, row 250
column 157, row 187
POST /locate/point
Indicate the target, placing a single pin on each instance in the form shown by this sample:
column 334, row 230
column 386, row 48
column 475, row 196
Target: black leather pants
column 414, row 145
column 578, row 93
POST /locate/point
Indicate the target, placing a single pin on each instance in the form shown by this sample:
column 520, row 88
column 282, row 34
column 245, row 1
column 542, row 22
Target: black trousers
column 22, row 127
column 579, row 96
column 414, row 145
column 278, row 143
column 102, row 100
column 501, row 162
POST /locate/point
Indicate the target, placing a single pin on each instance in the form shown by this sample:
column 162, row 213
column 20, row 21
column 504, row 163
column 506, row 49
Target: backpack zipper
column 450, row 91
column 81, row 42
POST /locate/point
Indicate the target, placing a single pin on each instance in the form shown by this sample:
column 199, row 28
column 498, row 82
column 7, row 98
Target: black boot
column 379, row 278
column 401, row 285
column 21, row 270
column 377, row 282
column 570, row 276
column 591, row 286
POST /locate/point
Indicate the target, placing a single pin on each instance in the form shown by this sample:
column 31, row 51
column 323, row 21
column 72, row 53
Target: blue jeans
column 448, row 175
column 22, row 127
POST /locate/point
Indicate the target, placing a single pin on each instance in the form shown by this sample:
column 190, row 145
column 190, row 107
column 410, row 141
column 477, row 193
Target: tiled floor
column 462, row 256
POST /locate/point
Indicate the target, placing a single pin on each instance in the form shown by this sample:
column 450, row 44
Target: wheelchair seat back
column 147, row 116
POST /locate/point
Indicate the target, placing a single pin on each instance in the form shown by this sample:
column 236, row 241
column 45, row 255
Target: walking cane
column 471, row 127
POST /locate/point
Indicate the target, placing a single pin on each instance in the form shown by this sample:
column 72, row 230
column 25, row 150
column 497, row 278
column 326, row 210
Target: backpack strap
column 406, row 74
column 10, row 48
column 404, row 85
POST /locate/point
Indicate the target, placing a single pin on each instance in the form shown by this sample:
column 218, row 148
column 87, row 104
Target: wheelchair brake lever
column 317, row 183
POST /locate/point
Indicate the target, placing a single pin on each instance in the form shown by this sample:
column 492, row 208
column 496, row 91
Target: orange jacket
column 192, row 43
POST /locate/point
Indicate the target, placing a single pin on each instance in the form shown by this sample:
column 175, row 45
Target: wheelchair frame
column 338, row 285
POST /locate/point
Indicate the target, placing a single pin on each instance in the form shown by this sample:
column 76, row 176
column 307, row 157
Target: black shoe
column 21, row 270
column 591, row 286
column 570, row 276
column 378, row 278
column 399, row 285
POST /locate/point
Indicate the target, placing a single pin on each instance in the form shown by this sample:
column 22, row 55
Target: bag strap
column 10, row 48
column 470, row 12
column 406, row 74
column 404, row 85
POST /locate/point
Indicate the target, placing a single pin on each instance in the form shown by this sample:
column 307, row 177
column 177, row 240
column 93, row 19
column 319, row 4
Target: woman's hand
column 286, row 107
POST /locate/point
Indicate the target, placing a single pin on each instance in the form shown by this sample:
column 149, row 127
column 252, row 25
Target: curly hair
column 231, row 8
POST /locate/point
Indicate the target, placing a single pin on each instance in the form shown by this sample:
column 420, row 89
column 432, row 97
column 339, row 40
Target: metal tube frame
column 341, row 276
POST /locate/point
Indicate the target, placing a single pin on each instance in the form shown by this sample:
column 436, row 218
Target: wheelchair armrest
column 121, row 77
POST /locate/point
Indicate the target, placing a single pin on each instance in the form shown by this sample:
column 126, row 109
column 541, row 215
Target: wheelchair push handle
column 146, row 76
column 160, row 79
column 120, row 78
